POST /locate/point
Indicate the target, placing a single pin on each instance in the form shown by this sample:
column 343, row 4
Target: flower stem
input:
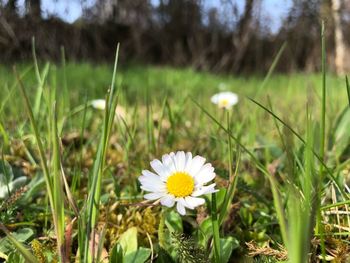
column 161, row 237
column 232, row 182
column 216, row 234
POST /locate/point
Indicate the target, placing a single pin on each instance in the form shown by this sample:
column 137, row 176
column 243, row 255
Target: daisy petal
column 160, row 169
column 194, row 201
column 196, row 165
column 152, row 183
column 205, row 190
column 205, row 174
column 215, row 99
column 188, row 161
column 180, row 208
column 167, row 200
column 184, row 203
column 149, row 180
column 168, row 162
column 153, row 188
column 148, row 173
column 148, row 177
column 180, row 161
column 153, row 196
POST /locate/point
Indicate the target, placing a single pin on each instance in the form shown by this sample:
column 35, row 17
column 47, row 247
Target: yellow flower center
column 223, row 103
column 180, row 184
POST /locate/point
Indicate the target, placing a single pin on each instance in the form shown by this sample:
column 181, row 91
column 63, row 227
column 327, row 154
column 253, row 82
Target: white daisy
column 225, row 99
column 100, row 104
column 179, row 179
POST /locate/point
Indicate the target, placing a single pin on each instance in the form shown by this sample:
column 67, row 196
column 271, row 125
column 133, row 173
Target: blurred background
column 229, row 36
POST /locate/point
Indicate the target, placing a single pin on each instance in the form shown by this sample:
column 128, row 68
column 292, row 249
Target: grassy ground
column 280, row 184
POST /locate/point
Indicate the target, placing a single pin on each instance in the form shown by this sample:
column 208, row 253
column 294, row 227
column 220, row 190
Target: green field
column 279, row 186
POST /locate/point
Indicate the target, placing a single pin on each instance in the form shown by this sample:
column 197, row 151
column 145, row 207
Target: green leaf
column 16, row 240
column 138, row 256
column 342, row 134
column 173, row 222
column 128, row 241
column 6, row 173
column 15, row 257
column 116, row 254
column 22, row 235
column 205, row 231
column 246, row 216
column 34, row 187
column 220, row 197
column 227, row 245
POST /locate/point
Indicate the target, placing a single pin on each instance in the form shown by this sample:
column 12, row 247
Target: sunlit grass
column 265, row 151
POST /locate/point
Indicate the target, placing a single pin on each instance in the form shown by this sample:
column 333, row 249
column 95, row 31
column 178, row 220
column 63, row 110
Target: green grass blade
column 273, row 182
column 329, row 172
column 5, row 100
column 347, row 88
column 231, row 189
column 98, row 168
column 66, row 97
column 36, row 134
column 216, row 228
column 319, row 226
column 272, row 68
column 53, row 186
column 114, row 70
column 232, row 176
column 36, row 67
column 57, row 184
column 4, row 134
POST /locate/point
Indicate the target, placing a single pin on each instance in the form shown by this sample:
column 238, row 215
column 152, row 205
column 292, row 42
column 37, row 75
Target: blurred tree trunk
column 340, row 47
column 242, row 39
column 11, row 7
column 33, row 8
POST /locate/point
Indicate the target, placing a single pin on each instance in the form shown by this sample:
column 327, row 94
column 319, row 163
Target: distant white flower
column 99, row 104
column 179, row 179
column 225, row 99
